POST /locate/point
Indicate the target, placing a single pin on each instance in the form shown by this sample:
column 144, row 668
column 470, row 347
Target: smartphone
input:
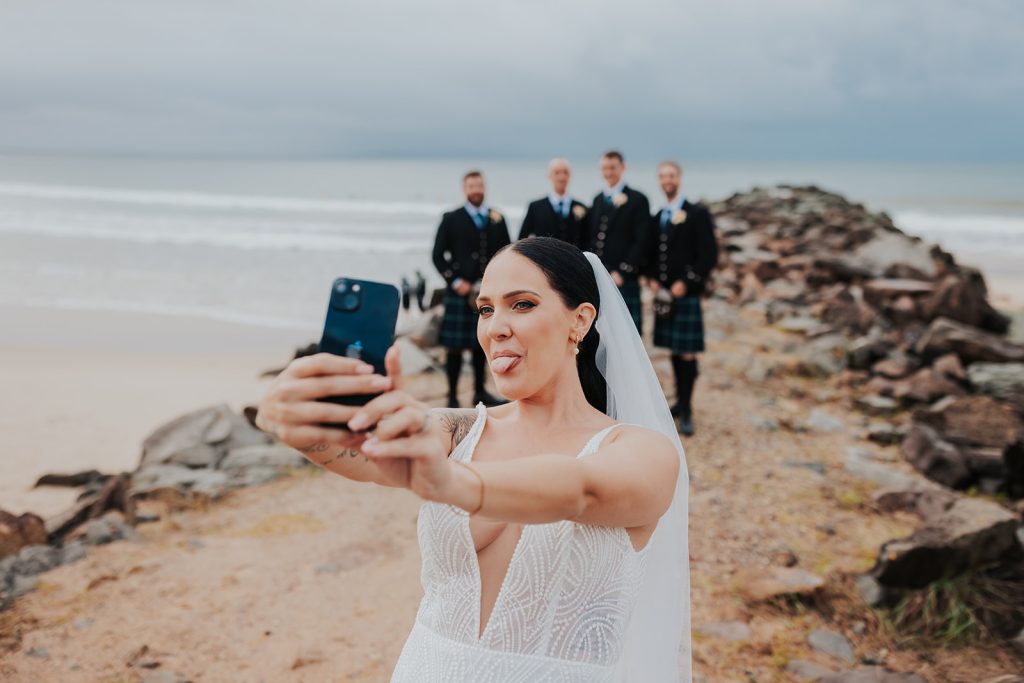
column 360, row 323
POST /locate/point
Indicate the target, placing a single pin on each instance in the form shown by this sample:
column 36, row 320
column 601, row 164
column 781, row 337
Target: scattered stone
column 935, row 458
column 870, row 590
column 894, row 367
column 820, row 421
column 153, row 478
column 200, row 439
column 874, row 674
column 22, row 585
column 823, row 356
column 38, row 652
column 964, row 299
column 832, row 643
column 107, row 529
column 804, row 671
column 1004, row 381
column 876, row 405
column 764, row 423
column 731, row 631
column 886, row 433
column 756, row 585
column 925, row 386
column 36, row 559
column 866, row 469
column 970, row 533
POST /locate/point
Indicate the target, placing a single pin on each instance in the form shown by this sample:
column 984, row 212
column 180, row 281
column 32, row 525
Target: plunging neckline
column 482, row 628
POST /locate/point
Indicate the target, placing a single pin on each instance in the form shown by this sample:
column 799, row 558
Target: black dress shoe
column 686, row 425
column 676, row 409
column 487, row 399
column 453, row 402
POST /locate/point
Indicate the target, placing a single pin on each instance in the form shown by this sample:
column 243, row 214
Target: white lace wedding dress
column 561, row 612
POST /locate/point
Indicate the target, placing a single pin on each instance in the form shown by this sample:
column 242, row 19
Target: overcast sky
column 722, row 79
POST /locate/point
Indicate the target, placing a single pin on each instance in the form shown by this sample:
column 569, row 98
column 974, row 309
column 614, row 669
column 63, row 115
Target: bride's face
column 525, row 328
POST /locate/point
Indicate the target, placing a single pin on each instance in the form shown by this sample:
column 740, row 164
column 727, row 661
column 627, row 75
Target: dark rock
column 935, row 458
column 973, row 420
column 71, row 480
column 950, row 366
column 832, row 643
column 964, row 299
column 895, row 366
column 865, row 351
column 19, row 531
column 970, row 344
column 925, row 386
column 885, row 433
column 924, row 502
column 970, row 533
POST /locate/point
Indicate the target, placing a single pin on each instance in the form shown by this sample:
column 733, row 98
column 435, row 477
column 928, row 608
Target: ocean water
column 261, row 241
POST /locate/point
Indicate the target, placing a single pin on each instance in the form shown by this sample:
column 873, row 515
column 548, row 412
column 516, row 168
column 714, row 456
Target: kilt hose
column 683, row 331
column 458, row 326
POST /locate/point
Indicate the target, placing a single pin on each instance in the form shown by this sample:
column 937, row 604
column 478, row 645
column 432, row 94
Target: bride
column 554, row 534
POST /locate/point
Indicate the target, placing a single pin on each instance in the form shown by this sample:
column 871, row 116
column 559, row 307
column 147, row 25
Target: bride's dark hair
column 570, row 274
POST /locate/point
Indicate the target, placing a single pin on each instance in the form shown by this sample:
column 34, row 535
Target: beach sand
column 315, row 578
column 82, row 389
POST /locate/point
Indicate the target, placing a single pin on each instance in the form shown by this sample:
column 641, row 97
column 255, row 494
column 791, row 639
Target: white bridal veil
column 657, row 647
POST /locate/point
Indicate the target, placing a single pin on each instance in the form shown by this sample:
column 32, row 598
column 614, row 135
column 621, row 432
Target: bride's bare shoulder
column 636, row 435
column 455, row 422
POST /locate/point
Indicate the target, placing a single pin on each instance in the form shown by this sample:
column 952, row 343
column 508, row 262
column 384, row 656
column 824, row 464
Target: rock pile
column 911, row 331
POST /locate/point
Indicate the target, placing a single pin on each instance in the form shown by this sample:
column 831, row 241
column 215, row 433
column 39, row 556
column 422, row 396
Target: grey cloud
column 735, row 78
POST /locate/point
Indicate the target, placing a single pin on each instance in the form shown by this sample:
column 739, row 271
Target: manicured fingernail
column 364, row 369
column 381, row 382
column 358, row 422
column 371, row 443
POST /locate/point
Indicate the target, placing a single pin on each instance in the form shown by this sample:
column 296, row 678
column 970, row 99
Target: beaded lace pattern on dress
column 561, row 612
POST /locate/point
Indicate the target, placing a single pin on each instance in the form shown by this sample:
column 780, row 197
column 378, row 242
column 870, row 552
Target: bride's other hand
column 406, row 437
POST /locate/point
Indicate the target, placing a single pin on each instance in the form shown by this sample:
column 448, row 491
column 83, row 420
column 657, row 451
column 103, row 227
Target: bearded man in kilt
column 467, row 239
column 684, row 253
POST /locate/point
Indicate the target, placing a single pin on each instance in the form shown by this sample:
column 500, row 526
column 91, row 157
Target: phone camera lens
column 350, row 301
column 341, row 287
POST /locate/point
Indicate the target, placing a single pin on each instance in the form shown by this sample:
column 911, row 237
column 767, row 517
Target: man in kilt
column 684, row 253
column 467, row 239
column 558, row 214
column 618, row 232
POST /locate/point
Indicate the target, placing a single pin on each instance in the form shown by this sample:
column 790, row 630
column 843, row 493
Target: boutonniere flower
column 620, row 199
column 495, row 216
column 679, row 217
column 579, row 212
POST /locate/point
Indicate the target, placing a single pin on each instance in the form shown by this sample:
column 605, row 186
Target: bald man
column 558, row 214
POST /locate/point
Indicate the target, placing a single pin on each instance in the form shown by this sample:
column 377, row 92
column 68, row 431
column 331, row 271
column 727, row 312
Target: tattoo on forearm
column 343, row 453
column 457, row 424
column 314, row 448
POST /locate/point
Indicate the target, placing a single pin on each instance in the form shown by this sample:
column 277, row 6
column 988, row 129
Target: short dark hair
column 472, row 174
column 614, row 154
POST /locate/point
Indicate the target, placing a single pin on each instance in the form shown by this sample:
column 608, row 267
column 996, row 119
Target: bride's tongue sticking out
column 502, row 364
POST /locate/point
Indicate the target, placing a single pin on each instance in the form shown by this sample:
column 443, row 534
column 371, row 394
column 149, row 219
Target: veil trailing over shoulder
column 657, row 646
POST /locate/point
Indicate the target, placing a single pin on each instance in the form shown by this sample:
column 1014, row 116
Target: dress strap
column 463, row 451
column 595, row 441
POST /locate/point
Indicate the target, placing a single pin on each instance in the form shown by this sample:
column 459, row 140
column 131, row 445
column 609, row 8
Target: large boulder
column 200, row 438
column 926, row 386
column 969, row 343
column 19, row 531
column 887, row 250
column 970, row 533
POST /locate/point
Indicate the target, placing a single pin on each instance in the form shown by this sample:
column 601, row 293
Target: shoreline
column 87, row 401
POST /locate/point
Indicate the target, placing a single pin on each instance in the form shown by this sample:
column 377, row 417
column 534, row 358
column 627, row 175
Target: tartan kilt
column 458, row 326
column 630, row 291
column 683, row 331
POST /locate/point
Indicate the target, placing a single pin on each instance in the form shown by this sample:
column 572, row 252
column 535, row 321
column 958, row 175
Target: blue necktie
column 480, row 220
column 561, row 208
column 665, row 216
